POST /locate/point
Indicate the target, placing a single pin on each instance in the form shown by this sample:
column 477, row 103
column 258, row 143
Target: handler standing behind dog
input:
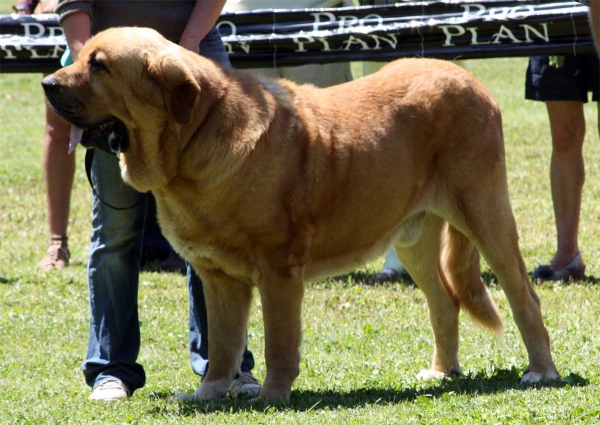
column 111, row 367
column 563, row 82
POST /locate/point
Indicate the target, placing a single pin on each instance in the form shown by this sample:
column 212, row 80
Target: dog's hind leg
column 228, row 307
column 489, row 223
column 422, row 261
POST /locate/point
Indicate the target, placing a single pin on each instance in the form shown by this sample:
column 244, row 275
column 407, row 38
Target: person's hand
column 23, row 7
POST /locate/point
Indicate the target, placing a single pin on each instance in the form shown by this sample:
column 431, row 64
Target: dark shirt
column 168, row 17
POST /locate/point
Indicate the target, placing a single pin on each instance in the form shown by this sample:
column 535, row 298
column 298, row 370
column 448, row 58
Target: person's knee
column 568, row 137
column 119, row 227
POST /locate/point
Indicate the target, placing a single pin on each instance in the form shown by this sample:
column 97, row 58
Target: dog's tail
column 460, row 265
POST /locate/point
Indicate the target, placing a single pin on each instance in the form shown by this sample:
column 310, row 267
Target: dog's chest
column 205, row 241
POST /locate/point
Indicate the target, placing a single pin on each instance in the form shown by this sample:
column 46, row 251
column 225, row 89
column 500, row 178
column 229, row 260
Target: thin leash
column 89, row 158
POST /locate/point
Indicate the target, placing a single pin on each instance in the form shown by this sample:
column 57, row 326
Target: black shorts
column 579, row 75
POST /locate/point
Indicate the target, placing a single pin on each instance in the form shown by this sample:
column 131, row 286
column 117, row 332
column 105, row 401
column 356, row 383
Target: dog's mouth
column 110, row 136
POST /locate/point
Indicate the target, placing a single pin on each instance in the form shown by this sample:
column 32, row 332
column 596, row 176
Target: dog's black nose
column 49, row 84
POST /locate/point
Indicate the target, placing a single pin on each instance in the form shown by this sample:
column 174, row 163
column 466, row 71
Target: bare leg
column 59, row 171
column 567, row 175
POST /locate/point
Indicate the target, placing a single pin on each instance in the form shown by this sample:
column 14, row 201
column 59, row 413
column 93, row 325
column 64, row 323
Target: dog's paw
column 280, row 397
column 207, row 391
column 277, row 402
column 532, row 378
column 430, row 375
column 536, row 377
column 197, row 397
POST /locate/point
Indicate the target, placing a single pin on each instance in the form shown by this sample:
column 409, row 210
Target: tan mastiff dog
column 266, row 184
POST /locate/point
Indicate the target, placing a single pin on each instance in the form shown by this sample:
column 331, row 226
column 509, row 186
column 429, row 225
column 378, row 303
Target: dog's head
column 131, row 77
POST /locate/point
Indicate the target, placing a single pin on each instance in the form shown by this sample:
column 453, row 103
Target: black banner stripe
column 269, row 38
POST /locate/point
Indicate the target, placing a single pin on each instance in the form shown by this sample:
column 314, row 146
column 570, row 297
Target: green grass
column 363, row 345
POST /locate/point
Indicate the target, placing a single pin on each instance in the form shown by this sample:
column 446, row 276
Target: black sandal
column 573, row 271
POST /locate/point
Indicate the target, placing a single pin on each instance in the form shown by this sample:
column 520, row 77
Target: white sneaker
column 245, row 385
column 113, row 390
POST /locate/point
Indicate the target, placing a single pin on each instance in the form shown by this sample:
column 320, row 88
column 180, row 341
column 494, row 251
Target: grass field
column 363, row 345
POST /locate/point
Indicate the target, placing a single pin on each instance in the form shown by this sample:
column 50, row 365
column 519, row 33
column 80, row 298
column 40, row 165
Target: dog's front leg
column 281, row 298
column 227, row 307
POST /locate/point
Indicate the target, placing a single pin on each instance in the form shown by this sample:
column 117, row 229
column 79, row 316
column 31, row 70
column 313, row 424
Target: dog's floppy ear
column 180, row 88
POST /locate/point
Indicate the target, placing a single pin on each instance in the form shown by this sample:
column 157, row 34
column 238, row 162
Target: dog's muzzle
column 110, row 135
column 69, row 108
column 50, row 86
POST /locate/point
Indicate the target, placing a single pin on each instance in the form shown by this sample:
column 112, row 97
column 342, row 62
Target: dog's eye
column 96, row 65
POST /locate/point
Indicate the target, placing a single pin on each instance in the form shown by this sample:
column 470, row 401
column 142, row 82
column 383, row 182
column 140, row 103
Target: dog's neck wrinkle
column 201, row 115
column 169, row 156
column 193, row 139
column 217, row 148
column 137, row 172
column 203, row 147
column 248, row 127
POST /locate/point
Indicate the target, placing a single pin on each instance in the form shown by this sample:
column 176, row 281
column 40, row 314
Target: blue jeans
column 113, row 274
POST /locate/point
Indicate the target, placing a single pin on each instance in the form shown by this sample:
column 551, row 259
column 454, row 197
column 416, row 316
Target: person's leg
column 567, row 175
column 157, row 253
column 563, row 85
column 392, row 270
column 393, row 262
column 113, row 275
column 198, row 327
column 59, row 171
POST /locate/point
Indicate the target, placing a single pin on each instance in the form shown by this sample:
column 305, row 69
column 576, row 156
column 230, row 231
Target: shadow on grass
column 490, row 279
column 587, row 280
column 364, row 278
column 302, row 401
column 4, row 281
